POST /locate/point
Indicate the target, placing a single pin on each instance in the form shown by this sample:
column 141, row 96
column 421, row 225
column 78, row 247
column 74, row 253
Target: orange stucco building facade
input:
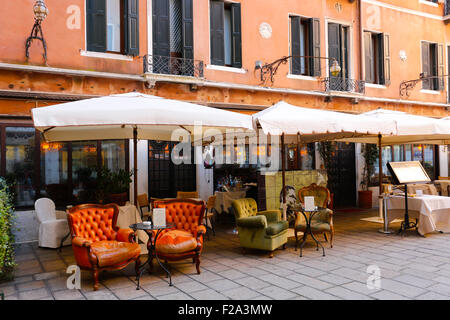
column 228, row 73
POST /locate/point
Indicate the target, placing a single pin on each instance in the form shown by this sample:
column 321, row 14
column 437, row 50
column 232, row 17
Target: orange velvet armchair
column 98, row 244
column 185, row 240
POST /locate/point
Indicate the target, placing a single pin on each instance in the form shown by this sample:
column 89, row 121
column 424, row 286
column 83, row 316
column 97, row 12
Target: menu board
column 408, row 172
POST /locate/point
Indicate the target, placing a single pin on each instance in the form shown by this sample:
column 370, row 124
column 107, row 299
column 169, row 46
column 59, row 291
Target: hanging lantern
column 40, row 10
column 335, row 69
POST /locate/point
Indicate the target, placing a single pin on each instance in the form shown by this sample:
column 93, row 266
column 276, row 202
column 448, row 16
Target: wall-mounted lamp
column 40, row 11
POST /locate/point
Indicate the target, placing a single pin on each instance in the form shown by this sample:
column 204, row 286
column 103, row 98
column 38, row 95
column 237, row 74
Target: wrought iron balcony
column 344, row 84
column 173, row 66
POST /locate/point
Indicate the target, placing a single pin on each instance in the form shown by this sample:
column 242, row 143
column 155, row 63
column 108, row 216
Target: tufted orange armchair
column 98, row 244
column 186, row 239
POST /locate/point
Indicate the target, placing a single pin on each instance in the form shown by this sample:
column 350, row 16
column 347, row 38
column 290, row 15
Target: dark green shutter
column 96, row 25
column 295, row 45
column 425, row 64
column 188, row 29
column 236, row 36
column 441, row 67
column 161, row 28
column 368, row 58
column 132, row 27
column 334, row 44
column 217, row 33
column 315, row 47
column 387, row 59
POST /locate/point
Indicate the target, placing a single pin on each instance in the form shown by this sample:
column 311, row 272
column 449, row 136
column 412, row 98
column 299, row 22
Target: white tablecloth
column 224, row 200
column 128, row 215
column 429, row 209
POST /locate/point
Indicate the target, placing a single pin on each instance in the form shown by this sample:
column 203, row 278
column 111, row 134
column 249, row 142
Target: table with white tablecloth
column 129, row 215
column 428, row 209
column 224, row 200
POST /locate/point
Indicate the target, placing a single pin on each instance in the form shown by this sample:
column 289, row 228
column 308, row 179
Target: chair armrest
column 125, row 235
column 61, row 214
column 81, row 242
column 325, row 215
column 258, row 221
column 271, row 215
column 201, row 230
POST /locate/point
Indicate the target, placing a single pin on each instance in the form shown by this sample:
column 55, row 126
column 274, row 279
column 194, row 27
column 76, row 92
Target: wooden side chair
column 209, row 217
column 144, row 203
column 322, row 222
column 187, row 195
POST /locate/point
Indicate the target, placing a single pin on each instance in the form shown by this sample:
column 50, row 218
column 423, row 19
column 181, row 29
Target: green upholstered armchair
column 262, row 230
column 322, row 221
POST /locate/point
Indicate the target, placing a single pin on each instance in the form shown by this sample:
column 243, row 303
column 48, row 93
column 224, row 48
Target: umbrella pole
column 135, row 180
column 380, row 177
column 283, row 175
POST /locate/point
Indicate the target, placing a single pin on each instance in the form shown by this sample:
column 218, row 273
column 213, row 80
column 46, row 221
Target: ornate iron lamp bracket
column 406, row 86
column 40, row 13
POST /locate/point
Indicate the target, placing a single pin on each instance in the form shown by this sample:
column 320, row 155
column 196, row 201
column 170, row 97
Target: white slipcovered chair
column 53, row 225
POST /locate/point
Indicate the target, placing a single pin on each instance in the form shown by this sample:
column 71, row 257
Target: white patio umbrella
column 305, row 125
column 131, row 116
column 410, row 129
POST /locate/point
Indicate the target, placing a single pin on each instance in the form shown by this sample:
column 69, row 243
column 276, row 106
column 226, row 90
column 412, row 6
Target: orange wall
column 64, row 45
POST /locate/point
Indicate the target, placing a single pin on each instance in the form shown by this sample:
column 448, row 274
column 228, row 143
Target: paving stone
column 432, row 296
column 414, row 281
column 128, row 293
column 314, row 294
column 208, row 295
column 8, row 290
column 46, row 275
column 240, row 293
column 30, row 285
column 333, row 279
column 401, row 288
column 34, row 294
column 100, row 295
column 68, row 295
column 281, row 282
column 346, row 294
column 175, row 296
column 232, row 274
column 252, row 283
column 360, row 288
column 159, row 289
column 310, row 271
column 223, row 284
column 387, row 295
column 440, row 288
column 190, row 286
column 277, row 293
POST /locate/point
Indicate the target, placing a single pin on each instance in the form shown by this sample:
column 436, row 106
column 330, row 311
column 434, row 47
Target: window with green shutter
column 113, row 26
column 225, row 34
column 376, row 58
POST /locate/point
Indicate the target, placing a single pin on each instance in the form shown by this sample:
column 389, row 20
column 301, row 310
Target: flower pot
column 119, row 198
column 365, row 199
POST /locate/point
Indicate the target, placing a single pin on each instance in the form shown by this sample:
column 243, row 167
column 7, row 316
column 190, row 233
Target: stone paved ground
column 412, row 267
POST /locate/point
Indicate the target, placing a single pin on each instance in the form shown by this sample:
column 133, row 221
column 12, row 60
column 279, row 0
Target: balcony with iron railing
column 344, row 85
column 173, row 66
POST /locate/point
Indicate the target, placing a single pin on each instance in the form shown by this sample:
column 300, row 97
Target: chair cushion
column 176, row 241
column 274, row 228
column 110, row 253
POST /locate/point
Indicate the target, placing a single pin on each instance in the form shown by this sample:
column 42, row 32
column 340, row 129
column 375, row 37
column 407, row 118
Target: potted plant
column 370, row 153
column 327, row 150
column 113, row 186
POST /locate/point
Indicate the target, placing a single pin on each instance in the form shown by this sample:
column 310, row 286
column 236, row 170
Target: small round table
column 151, row 246
column 309, row 214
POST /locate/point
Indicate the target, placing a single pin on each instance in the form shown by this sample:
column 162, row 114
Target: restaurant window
column 84, row 164
column 305, row 41
column 432, row 65
column 377, row 58
column 113, row 154
column 300, row 157
column 20, row 163
column 55, row 171
column 225, row 34
column 112, row 26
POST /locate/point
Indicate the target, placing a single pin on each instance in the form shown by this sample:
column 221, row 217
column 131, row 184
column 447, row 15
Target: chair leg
column 95, row 274
column 244, row 251
column 213, row 228
column 197, row 263
column 271, row 254
column 296, row 240
column 137, row 265
column 325, row 236
column 331, row 238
